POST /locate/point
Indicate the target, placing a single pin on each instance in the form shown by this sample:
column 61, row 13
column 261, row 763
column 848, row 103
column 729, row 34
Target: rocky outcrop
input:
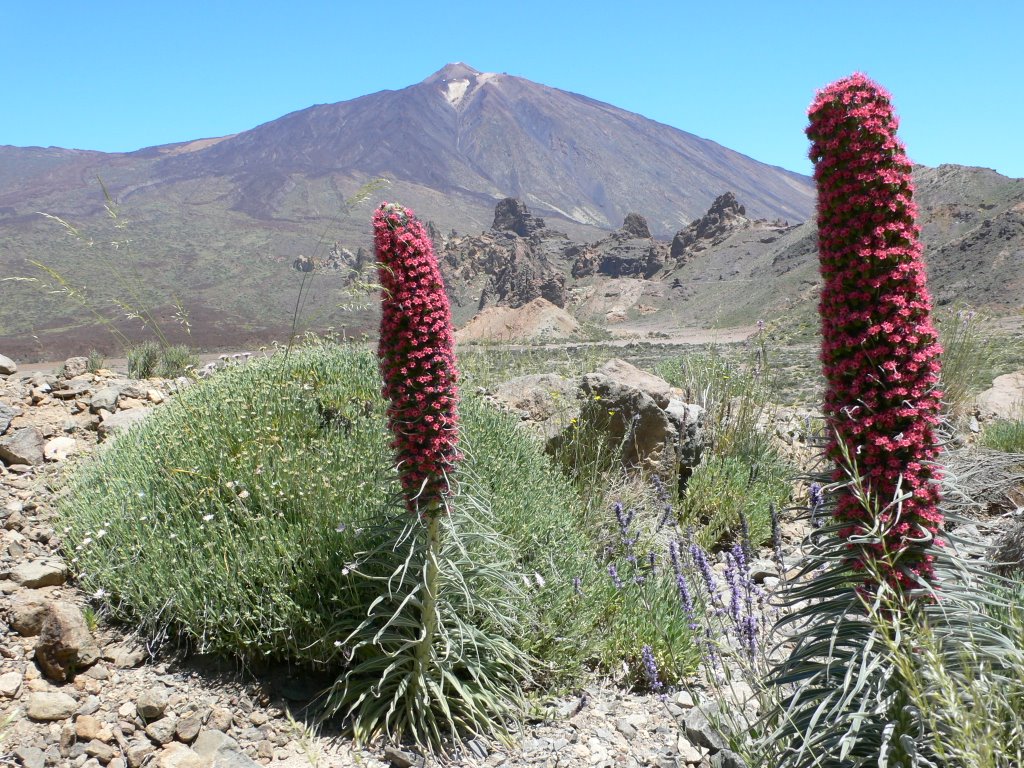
column 511, row 215
column 725, row 215
column 510, row 265
column 635, row 225
column 540, row 320
column 628, row 252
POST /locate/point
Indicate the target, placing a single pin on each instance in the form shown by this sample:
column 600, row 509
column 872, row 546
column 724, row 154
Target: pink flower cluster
column 880, row 352
column 417, row 357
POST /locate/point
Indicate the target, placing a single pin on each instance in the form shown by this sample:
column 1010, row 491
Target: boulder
column 7, row 366
column 632, row 415
column 66, row 645
column 7, row 414
column 25, row 612
column 74, row 366
column 105, row 400
column 22, row 446
column 50, row 705
column 59, row 448
column 112, row 423
column 36, row 574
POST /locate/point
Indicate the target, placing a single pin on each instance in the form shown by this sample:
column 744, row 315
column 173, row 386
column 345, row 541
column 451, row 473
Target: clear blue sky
column 118, row 76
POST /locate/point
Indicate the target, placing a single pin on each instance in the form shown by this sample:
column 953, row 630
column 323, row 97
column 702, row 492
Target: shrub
column 971, row 357
column 143, row 360
column 1005, row 435
column 235, row 518
column 879, row 348
column 176, row 360
column 95, row 361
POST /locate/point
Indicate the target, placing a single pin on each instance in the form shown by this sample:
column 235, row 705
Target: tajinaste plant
column 880, row 351
column 423, row 670
column 417, row 358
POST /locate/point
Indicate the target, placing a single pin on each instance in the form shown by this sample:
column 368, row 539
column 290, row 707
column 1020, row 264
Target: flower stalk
column 880, row 351
column 417, row 359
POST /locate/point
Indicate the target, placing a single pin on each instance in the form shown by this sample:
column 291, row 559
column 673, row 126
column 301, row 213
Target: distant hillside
column 728, row 269
column 219, row 221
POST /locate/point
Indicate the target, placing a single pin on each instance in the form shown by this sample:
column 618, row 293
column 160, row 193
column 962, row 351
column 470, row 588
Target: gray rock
column 179, row 756
column 7, row 366
column 223, row 751
column 726, row 758
column 700, row 730
column 7, row 414
column 105, row 400
column 761, row 569
column 114, row 423
column 152, row 703
column 66, row 645
column 75, row 366
column 24, row 611
column 10, row 684
column 22, row 446
column 511, row 215
column 102, row 752
column 137, row 752
column 188, row 727
column 30, row 757
column 40, row 573
column 162, row 731
column 50, row 705
column 73, row 389
column 401, row 759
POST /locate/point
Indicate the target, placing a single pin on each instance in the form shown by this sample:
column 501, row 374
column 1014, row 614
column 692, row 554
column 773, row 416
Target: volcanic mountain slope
column 217, row 222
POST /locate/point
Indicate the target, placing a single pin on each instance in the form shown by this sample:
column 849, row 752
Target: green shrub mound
column 240, row 519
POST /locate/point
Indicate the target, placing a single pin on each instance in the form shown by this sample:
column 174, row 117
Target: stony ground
column 129, row 708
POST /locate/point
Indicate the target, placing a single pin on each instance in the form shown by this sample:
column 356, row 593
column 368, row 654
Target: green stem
column 428, row 614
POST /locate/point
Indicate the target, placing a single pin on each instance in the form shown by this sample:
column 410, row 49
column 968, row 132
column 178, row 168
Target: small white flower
column 337, row 643
column 85, row 542
column 207, row 518
column 243, row 495
column 99, row 594
column 539, row 579
column 101, row 533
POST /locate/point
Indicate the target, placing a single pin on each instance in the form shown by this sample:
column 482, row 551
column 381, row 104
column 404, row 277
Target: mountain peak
column 454, row 71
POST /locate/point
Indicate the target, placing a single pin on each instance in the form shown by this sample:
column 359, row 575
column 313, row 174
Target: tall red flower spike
column 880, row 351
column 417, row 357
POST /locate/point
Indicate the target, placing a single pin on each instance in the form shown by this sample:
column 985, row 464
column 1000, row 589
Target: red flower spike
column 880, row 351
column 417, row 357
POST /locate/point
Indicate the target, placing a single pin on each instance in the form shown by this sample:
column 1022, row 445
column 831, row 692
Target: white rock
column 10, row 682
column 59, row 448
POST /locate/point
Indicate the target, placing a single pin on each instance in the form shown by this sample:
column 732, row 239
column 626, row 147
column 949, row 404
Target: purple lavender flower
column 651, row 669
column 700, row 559
column 816, row 500
column 673, row 555
column 745, row 536
column 748, row 635
column 614, row 573
column 652, row 562
column 733, row 579
column 577, row 585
